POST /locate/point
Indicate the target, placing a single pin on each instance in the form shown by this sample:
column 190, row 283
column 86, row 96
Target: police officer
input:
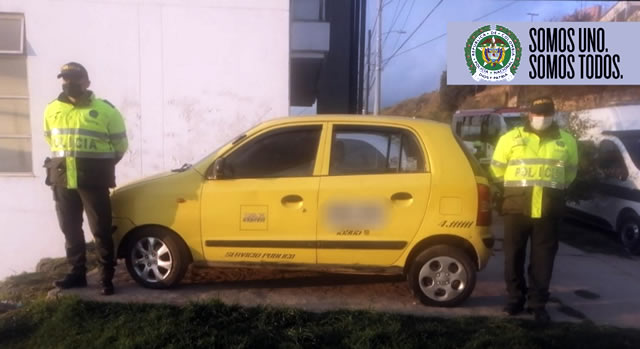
column 87, row 139
column 534, row 164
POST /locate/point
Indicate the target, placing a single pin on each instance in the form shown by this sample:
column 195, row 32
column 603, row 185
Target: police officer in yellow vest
column 535, row 164
column 87, row 139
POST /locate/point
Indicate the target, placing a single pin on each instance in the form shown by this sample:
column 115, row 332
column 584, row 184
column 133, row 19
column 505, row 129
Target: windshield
column 475, row 165
column 632, row 144
column 233, row 141
column 512, row 122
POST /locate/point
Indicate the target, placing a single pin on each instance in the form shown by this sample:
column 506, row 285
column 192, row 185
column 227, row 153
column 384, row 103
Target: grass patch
column 73, row 323
column 591, row 239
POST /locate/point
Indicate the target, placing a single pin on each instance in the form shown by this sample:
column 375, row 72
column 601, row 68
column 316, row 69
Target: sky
column 418, row 71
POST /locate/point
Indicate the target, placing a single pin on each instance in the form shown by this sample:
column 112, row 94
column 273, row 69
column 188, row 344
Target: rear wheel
column 156, row 258
column 629, row 233
column 442, row 276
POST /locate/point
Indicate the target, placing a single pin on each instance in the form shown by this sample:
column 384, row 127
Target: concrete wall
column 187, row 75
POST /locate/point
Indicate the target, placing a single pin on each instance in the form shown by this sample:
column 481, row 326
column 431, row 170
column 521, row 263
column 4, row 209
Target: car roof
column 474, row 112
column 511, row 110
column 618, row 118
column 622, row 133
column 366, row 119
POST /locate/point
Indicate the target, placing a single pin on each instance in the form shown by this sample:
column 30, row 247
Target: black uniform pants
column 542, row 232
column 96, row 204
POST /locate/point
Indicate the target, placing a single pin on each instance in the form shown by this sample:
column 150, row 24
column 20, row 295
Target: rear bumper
column 484, row 242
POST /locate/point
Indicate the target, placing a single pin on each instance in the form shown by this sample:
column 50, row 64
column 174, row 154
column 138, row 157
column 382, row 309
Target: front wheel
column 629, row 233
column 156, row 258
column 442, row 276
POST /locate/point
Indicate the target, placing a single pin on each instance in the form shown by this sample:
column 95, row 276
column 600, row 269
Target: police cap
column 542, row 106
column 73, row 70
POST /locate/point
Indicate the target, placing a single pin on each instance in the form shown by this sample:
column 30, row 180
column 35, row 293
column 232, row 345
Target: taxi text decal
column 259, row 255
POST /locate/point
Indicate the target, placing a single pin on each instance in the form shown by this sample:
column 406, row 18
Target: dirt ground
column 576, row 295
column 305, row 290
column 313, row 291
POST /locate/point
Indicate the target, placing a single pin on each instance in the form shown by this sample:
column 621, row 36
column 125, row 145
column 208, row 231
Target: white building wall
column 187, row 76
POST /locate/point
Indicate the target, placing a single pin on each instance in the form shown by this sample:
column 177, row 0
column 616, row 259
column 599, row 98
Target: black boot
column 71, row 281
column 513, row 308
column 541, row 316
column 106, row 280
column 107, row 287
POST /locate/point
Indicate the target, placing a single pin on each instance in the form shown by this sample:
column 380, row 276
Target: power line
column 494, row 11
column 415, row 47
column 445, row 34
column 404, row 25
column 396, row 16
column 415, row 30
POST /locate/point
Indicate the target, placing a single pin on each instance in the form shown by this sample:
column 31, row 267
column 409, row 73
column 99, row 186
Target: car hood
column 143, row 181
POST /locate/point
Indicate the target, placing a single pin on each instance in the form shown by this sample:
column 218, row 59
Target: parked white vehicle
column 480, row 129
column 615, row 198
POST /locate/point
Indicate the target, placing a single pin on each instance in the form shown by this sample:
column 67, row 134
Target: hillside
column 567, row 98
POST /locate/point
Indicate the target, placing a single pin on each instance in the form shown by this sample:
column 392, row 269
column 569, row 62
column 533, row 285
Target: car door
column 264, row 209
column 614, row 188
column 373, row 199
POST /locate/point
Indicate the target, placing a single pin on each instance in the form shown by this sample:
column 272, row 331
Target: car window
column 282, row 153
column 610, row 160
column 374, row 151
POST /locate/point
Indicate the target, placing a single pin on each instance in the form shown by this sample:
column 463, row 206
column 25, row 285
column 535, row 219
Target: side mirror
column 218, row 169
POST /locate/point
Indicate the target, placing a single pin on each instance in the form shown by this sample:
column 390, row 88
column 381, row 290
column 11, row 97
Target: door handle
column 292, row 201
column 289, row 199
column 402, row 196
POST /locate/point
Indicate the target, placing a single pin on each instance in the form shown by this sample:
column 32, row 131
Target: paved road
column 585, row 287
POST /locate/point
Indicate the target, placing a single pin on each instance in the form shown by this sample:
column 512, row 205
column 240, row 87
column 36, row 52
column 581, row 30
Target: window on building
column 308, row 10
column 15, row 129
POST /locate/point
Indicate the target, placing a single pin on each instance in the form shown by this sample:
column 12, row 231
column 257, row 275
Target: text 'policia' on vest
column 535, row 168
column 87, row 139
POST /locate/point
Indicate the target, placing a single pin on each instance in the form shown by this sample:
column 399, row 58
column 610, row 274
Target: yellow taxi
column 358, row 194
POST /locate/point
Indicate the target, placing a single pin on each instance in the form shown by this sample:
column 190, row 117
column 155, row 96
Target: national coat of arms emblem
column 493, row 54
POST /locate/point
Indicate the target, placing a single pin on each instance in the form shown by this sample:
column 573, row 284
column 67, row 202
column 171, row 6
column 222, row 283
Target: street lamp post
column 377, row 91
column 365, row 110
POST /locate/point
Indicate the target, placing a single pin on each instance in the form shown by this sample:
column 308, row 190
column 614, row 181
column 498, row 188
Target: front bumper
column 120, row 228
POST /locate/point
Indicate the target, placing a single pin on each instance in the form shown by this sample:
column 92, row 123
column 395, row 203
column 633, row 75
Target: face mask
column 540, row 123
column 74, row 90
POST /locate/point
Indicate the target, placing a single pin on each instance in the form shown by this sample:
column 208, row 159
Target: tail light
column 484, row 206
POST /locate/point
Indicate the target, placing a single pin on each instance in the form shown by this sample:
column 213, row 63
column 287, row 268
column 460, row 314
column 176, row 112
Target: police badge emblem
column 493, row 54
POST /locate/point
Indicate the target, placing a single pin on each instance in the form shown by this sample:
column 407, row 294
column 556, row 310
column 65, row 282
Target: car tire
column 629, row 232
column 156, row 258
column 442, row 276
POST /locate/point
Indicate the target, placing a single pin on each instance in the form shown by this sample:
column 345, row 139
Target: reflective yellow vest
column 92, row 130
column 521, row 160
